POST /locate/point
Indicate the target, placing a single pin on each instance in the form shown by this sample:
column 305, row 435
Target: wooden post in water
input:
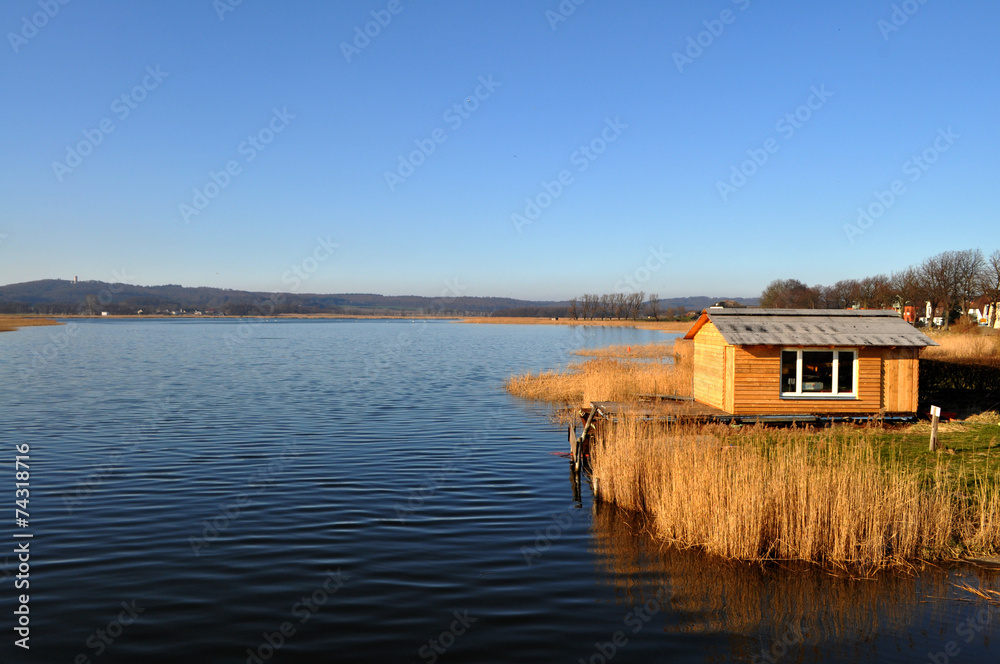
column 572, row 445
column 935, row 417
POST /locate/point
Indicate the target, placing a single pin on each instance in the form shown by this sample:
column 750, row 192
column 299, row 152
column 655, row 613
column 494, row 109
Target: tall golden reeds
column 972, row 346
column 662, row 325
column 11, row 323
column 790, row 495
column 608, row 377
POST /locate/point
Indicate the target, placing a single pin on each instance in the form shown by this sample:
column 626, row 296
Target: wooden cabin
column 806, row 361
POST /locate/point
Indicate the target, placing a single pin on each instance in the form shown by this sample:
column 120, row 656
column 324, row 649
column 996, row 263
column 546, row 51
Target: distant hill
column 61, row 296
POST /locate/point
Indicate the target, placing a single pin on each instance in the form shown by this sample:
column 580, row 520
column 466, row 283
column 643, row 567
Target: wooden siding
column 709, row 367
column 730, row 378
column 899, row 380
column 757, row 381
column 746, row 380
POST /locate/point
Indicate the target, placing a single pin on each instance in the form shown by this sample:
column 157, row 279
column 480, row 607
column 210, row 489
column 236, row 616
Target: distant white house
column 984, row 314
column 104, row 313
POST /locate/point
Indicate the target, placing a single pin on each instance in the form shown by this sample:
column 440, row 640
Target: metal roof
column 812, row 327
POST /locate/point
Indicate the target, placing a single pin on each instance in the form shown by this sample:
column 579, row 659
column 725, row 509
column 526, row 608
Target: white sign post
column 935, row 417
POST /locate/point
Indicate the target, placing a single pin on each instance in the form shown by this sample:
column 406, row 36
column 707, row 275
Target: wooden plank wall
column 729, row 380
column 746, row 380
column 709, row 366
column 900, row 369
column 757, row 382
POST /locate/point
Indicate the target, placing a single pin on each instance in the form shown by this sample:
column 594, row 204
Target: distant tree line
column 610, row 305
column 951, row 281
column 622, row 306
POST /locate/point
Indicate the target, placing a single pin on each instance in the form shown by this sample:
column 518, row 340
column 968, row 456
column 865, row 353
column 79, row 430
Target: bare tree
column 607, row 305
column 790, row 294
column 940, row 274
column 989, row 284
column 908, row 288
column 572, row 309
column 840, row 295
column 633, row 304
column 618, row 305
column 969, row 267
column 874, row 292
column 654, row 305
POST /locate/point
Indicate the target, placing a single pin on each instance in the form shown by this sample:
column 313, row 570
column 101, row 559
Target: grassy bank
column 843, row 495
column 11, row 323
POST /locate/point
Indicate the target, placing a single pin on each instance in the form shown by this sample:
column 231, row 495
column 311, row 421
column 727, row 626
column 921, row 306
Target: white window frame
column 799, row 394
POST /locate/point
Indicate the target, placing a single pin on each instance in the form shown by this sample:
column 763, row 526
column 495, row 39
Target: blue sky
column 677, row 147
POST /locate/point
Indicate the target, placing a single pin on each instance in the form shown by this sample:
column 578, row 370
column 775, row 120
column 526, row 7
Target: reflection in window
column 817, row 372
column 845, row 376
column 789, row 362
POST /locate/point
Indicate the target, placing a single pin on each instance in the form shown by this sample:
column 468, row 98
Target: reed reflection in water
column 799, row 612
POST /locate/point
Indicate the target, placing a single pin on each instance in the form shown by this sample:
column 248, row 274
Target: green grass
column 976, row 446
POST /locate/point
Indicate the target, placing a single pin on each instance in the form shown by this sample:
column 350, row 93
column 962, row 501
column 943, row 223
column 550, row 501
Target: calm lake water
column 321, row 491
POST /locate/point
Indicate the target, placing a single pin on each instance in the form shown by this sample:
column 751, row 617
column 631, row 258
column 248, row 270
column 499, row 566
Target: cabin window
column 818, row 373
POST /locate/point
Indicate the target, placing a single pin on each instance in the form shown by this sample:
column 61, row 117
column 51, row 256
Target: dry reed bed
column 654, row 351
column 765, row 494
column 974, row 346
column 601, row 379
column 11, row 323
column 663, row 325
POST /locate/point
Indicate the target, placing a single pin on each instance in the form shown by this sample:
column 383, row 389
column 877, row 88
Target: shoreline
column 14, row 322
column 663, row 325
